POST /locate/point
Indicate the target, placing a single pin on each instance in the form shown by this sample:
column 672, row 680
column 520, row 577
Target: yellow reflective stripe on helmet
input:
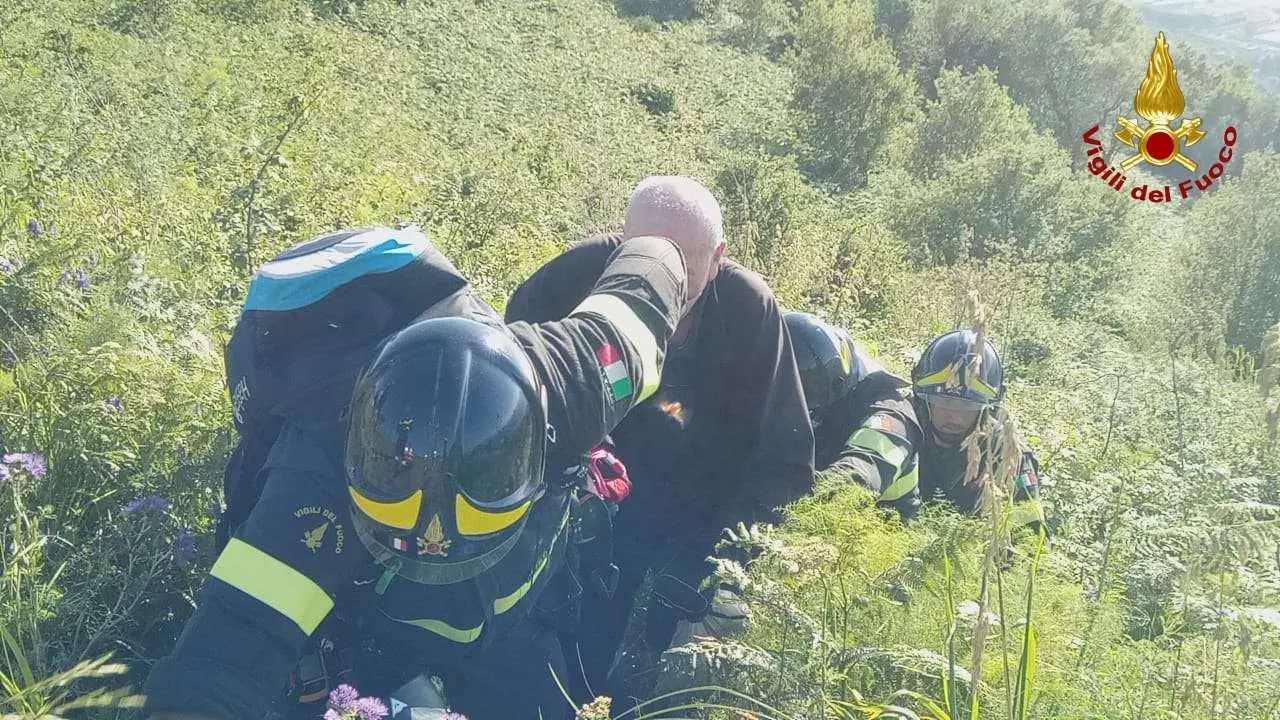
column 938, row 378
column 273, row 583
column 506, row 602
column 630, row 326
column 402, row 514
column 444, row 629
column 472, row 520
column 975, row 383
column 880, row 444
column 1026, row 512
column 846, row 360
column 901, row 485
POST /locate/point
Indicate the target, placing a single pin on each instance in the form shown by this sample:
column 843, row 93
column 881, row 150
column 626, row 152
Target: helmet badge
column 432, row 541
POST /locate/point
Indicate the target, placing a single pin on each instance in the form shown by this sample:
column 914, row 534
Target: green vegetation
column 878, row 161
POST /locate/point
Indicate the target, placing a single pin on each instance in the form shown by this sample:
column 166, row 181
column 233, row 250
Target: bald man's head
column 682, row 209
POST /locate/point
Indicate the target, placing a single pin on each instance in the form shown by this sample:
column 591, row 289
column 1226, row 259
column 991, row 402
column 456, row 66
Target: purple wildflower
column 343, row 698
column 114, row 404
column 8, row 359
column 370, row 708
column 184, row 548
column 332, row 714
column 34, row 228
column 82, row 280
column 32, row 463
column 149, row 502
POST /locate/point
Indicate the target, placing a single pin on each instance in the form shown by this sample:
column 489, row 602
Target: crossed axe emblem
column 1158, row 143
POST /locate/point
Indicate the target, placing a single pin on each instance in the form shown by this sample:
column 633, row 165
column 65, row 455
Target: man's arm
column 606, row 356
column 266, row 594
column 556, row 288
column 881, row 453
column 763, row 394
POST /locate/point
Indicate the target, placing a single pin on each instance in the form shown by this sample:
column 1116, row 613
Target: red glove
column 607, row 476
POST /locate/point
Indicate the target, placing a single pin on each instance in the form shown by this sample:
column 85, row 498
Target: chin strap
column 388, row 574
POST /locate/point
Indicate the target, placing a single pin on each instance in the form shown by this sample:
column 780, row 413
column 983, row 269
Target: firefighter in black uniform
column 864, row 425
column 427, row 520
column 725, row 439
column 957, row 389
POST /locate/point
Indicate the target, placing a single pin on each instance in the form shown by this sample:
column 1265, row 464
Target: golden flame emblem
column 314, row 538
column 1159, row 101
column 432, row 541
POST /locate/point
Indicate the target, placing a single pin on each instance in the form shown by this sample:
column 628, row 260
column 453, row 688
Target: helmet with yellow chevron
column 953, row 382
column 445, row 449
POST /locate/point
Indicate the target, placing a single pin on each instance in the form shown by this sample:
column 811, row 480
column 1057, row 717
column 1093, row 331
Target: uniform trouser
column 604, row 622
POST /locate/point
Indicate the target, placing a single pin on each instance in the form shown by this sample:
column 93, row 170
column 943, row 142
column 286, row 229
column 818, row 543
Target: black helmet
column 824, row 357
column 955, row 383
column 445, row 448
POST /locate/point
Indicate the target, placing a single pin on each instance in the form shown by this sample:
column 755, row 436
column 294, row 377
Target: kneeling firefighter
column 398, row 475
column 864, row 425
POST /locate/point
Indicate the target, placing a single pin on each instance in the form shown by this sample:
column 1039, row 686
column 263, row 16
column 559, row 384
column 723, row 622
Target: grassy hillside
column 877, row 162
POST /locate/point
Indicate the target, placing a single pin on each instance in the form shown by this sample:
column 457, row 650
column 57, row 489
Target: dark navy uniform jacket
column 278, row 579
column 872, row 436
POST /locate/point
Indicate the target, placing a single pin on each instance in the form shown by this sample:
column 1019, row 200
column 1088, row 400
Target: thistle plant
column 345, row 703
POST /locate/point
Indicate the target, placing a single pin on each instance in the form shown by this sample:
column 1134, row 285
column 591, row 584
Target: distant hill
column 1245, row 31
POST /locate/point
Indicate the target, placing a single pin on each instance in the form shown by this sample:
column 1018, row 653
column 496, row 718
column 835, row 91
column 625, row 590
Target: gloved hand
column 606, row 475
column 742, row 544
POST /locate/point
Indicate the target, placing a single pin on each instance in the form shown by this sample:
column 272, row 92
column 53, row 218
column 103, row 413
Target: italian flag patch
column 399, row 544
column 615, row 373
column 881, row 422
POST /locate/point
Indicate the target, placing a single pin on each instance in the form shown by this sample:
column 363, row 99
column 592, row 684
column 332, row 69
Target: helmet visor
column 456, row 418
column 500, row 443
column 952, row 418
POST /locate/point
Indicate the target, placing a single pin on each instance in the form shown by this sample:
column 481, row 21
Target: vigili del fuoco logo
column 1160, row 103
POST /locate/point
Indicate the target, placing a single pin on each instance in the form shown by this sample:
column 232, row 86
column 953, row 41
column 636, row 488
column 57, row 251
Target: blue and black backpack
column 313, row 318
